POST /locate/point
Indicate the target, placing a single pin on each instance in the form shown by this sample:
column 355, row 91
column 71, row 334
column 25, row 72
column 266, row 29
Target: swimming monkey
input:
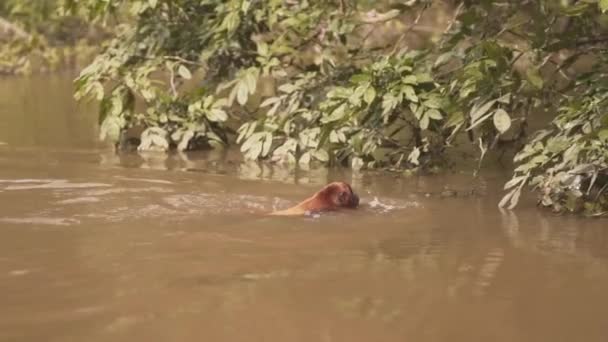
column 333, row 196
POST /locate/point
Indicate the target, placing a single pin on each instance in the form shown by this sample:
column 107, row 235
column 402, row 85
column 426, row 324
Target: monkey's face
column 341, row 195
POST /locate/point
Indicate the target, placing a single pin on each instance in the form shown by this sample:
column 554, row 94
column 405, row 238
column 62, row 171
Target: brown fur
column 333, row 196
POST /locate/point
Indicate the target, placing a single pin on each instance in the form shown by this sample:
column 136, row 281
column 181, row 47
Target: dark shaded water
column 100, row 247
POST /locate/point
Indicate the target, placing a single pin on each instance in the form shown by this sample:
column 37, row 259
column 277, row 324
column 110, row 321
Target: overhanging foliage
column 301, row 82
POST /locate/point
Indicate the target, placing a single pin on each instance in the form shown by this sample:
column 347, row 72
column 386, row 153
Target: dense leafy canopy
column 37, row 35
column 369, row 84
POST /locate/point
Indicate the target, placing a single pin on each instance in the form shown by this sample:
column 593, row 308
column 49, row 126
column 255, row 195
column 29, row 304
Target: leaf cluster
column 297, row 82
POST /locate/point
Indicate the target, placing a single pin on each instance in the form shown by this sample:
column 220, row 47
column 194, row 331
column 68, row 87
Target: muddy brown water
column 96, row 246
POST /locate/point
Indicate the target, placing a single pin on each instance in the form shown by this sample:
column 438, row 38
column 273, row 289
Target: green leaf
column 443, row 59
column 603, row 134
column 288, row 88
column 455, row 118
column 534, row 77
column 116, row 106
column 603, row 5
column 477, row 112
column 242, row 93
column 575, row 10
column 251, row 79
column 269, row 101
column 502, row 121
column 184, row 72
column 267, row 144
column 356, row 163
column 333, row 137
column 479, row 121
column 206, row 102
column 321, row 155
column 304, row 159
column 253, row 139
column 409, row 93
column 434, row 114
column 185, row 139
column 110, row 129
column 263, row 49
column 413, row 156
column 219, row 103
column 410, row 79
column 231, row 21
column 424, row 78
column 514, row 181
column 389, row 102
column 97, row 89
column 432, row 102
column 336, row 114
column 217, row 115
column 254, row 151
column 557, row 145
column 154, row 139
column 506, row 98
column 424, row 121
column 360, row 78
column 370, row 95
column 245, row 131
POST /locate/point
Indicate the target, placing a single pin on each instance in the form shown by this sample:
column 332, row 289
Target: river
column 96, row 246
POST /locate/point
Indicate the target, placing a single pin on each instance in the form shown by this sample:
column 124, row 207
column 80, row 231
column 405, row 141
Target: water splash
column 388, row 205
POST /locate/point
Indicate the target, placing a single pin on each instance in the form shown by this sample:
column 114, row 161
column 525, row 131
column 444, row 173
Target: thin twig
column 172, row 81
column 452, row 21
column 408, row 29
column 183, row 60
column 597, row 196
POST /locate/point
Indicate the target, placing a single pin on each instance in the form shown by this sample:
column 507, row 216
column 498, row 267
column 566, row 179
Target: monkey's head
column 339, row 195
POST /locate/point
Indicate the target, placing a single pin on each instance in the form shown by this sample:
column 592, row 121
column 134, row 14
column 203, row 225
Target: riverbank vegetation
column 39, row 36
column 366, row 84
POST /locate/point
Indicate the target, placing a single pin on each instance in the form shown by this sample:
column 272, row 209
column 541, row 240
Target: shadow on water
column 97, row 246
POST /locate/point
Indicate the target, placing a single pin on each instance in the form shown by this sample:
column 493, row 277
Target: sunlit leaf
column 370, row 95
column 413, row 156
column 433, row 102
column 110, row 129
column 443, row 59
column 389, row 102
column 184, row 72
column 321, row 155
column 502, row 120
column 434, row 114
column 185, row 139
column 357, row 163
column 217, row 115
column 479, row 111
column 288, row 88
column 410, row 94
column 267, row 144
column 424, row 121
column 251, row 80
column 269, row 101
column 242, row 93
column 514, row 181
column 336, row 114
column 304, row 159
